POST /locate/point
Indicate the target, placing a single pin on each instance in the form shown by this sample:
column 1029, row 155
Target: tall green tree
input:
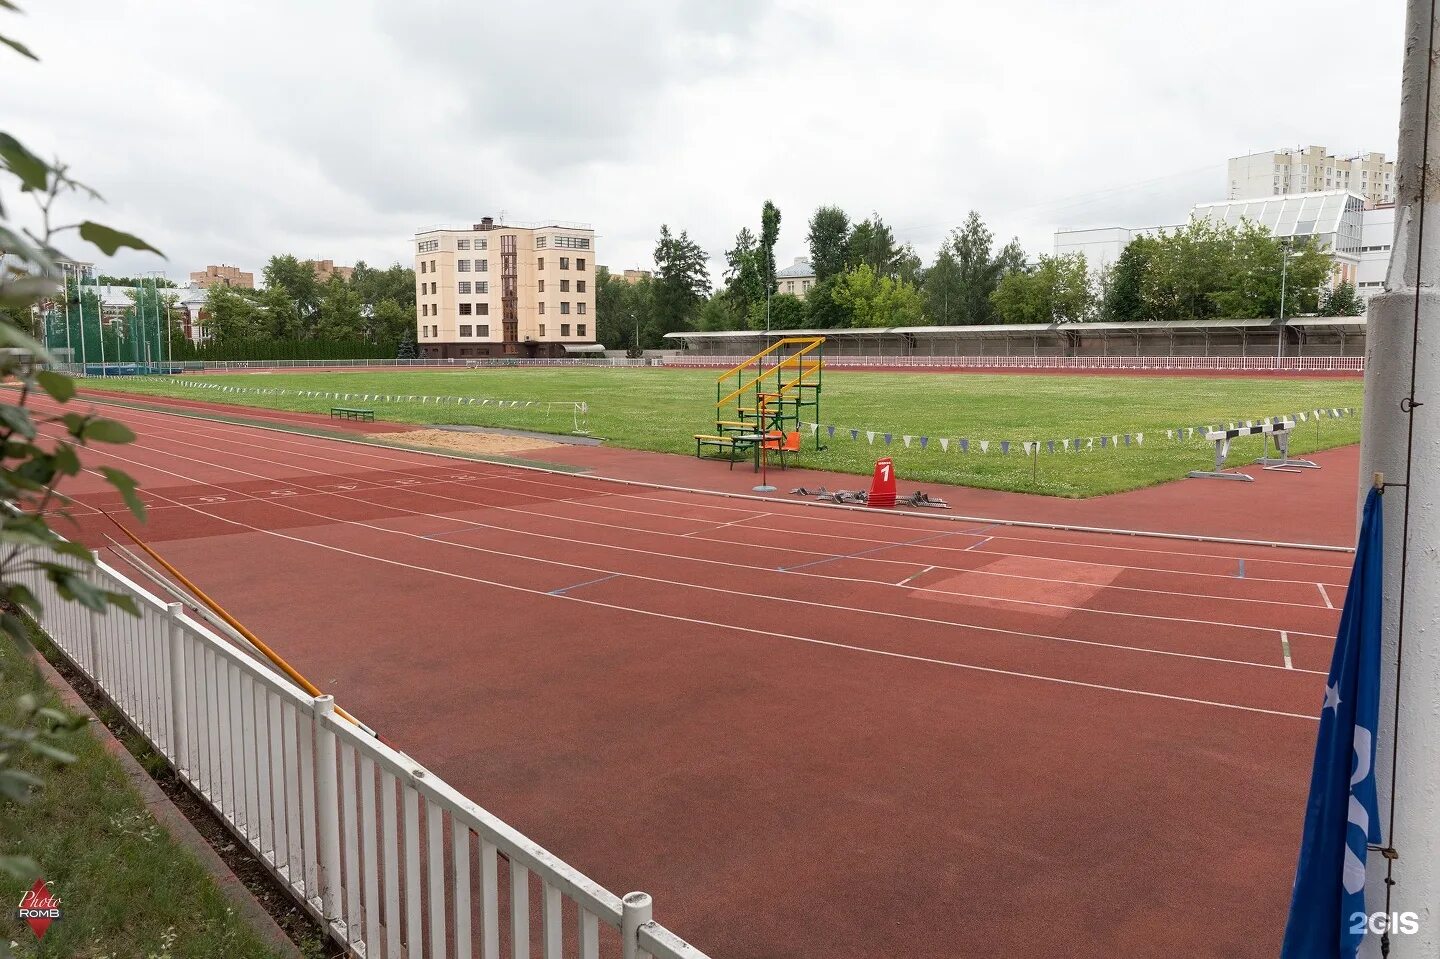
column 942, row 289
column 396, row 282
column 828, row 238
column 872, row 243
column 297, row 278
column 1056, row 291
column 981, row 268
column 682, row 282
column 721, row 312
column 1341, row 300
column 787, row 312
column 1125, row 295
column 879, row 301
column 769, row 236
column 743, row 283
column 340, row 314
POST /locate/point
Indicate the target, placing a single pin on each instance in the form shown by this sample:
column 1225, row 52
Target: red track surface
column 806, row 732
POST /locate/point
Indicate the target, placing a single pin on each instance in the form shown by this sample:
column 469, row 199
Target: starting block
column 1279, row 433
column 916, row 499
column 921, row 498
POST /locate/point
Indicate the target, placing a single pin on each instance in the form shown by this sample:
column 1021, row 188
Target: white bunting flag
column 907, row 441
column 944, row 445
column 984, row 446
column 1139, row 439
column 870, row 437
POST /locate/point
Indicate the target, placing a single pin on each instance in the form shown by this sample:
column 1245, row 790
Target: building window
column 481, row 243
column 540, row 263
column 564, row 286
column 425, row 332
column 579, row 286
column 462, row 266
column 540, row 242
column 432, row 266
column 572, row 242
column 434, row 287
column 539, row 286
column 482, row 309
column 564, row 329
column 464, row 309
column 482, row 330
column 789, row 286
column 579, row 329
column 542, row 307
column 434, row 330
column 463, row 287
column 564, row 263
column 580, row 263
column 427, row 246
column 422, row 266
column 482, row 266
column 542, row 329
column 464, row 330
column 805, row 286
column 580, row 308
column 564, row 307
column 482, row 286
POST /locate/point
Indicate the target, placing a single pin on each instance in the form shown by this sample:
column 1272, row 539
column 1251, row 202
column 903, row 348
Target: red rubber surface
column 921, row 738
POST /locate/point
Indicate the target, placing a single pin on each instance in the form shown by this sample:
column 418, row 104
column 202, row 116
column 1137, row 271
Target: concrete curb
column 176, row 824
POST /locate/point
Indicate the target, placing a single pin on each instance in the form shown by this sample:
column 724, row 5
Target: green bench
column 352, row 413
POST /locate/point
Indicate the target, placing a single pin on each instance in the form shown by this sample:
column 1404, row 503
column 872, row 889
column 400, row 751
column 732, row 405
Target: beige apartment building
column 222, row 276
column 795, row 279
column 1313, row 169
column 498, row 289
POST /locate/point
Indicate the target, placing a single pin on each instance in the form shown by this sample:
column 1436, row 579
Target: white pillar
column 1407, row 451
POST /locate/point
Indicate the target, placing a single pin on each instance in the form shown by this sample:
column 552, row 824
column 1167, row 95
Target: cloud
column 329, row 129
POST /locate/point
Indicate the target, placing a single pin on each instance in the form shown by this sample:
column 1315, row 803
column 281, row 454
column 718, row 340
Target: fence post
column 327, row 806
column 94, row 630
column 635, row 911
column 177, row 688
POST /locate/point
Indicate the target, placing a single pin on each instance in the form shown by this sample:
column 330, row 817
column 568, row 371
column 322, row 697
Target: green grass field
column 659, row 409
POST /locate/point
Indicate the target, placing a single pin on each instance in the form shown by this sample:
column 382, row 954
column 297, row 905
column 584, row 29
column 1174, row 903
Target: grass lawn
column 661, row 409
column 125, row 887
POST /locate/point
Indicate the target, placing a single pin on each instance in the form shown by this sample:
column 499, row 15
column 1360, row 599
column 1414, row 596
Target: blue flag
column 1327, row 905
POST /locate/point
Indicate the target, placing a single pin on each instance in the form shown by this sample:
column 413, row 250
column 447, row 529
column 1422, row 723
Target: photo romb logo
column 38, row 908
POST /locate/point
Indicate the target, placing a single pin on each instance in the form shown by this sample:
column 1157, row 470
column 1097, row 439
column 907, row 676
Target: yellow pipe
column 234, row 623
column 814, row 345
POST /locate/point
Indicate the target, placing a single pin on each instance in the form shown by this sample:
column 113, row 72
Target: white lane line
column 675, row 556
column 356, row 524
column 1324, row 595
column 980, row 543
column 915, row 576
column 700, row 533
column 1285, row 649
column 769, row 634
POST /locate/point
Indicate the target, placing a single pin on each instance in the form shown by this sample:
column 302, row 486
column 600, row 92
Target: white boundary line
column 1324, row 595
column 949, row 517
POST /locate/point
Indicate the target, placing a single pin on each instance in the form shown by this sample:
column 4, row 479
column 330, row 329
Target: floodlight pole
column 1280, row 333
column 1401, row 439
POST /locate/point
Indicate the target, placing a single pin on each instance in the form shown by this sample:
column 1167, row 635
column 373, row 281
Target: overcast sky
column 228, row 132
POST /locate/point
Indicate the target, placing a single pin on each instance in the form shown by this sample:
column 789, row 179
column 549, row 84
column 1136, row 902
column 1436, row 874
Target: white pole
column 1401, row 438
column 80, row 303
column 100, row 299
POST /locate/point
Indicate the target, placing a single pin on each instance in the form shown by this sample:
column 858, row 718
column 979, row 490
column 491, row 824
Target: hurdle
column 1278, row 432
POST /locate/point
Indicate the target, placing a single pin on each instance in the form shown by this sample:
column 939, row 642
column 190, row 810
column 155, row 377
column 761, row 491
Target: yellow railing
column 811, row 343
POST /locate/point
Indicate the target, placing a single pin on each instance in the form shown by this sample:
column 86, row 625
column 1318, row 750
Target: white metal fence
column 1346, row 364
column 392, row 860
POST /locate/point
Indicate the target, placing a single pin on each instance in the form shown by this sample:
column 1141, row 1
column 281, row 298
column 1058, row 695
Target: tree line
column 865, row 278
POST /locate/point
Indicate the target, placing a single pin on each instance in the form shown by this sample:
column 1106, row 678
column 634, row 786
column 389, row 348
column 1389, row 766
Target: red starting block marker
column 882, row 485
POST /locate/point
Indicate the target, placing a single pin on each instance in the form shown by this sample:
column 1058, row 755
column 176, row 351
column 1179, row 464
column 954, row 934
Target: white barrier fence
column 1338, row 364
column 392, row 860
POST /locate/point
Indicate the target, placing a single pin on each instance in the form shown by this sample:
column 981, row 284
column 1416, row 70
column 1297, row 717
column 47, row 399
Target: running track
column 806, row 732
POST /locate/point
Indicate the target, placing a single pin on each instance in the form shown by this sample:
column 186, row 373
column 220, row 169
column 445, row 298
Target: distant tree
column 826, row 313
column 1125, row 295
column 872, row 244
column 875, row 300
column 787, row 312
column 1056, row 291
column 769, row 236
column 829, row 233
column 408, row 349
column 909, row 267
column 722, row 312
column 682, row 282
column 1341, row 300
column 297, row 278
column 396, row 282
column 942, row 289
column 231, row 315
column 743, row 283
column 390, row 321
column 106, row 279
column 340, row 313
column 980, row 268
column 1206, row 270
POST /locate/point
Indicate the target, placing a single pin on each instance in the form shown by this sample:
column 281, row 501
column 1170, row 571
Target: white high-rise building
column 1313, row 169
